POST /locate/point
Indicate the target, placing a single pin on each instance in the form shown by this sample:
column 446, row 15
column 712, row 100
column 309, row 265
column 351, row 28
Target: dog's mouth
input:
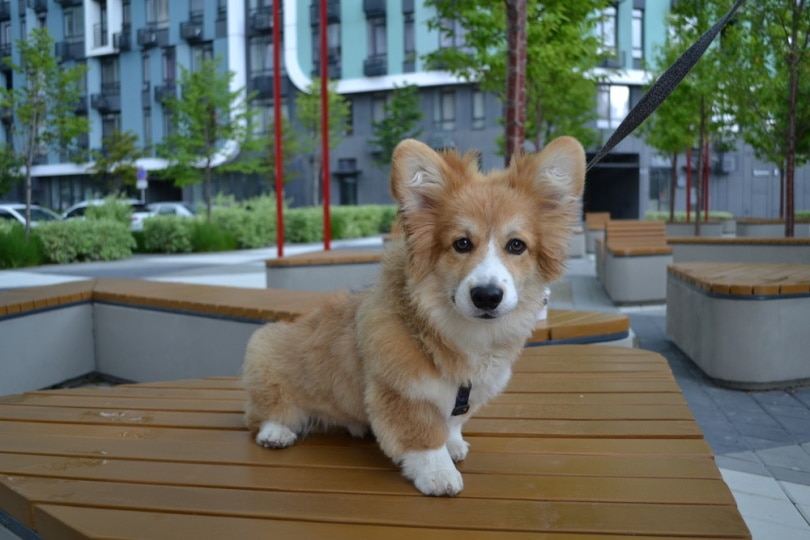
column 486, row 316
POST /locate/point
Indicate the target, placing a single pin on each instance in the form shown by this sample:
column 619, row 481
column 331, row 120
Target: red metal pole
column 279, row 134
column 706, row 170
column 688, row 185
column 327, row 226
column 516, row 78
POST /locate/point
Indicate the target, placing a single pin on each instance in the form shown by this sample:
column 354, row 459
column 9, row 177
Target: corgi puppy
column 435, row 338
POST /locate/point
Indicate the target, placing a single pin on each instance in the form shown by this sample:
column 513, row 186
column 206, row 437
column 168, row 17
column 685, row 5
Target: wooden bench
column 586, row 442
column 632, row 260
column 747, row 250
column 145, row 331
column 745, row 325
column 325, row 270
column 594, row 228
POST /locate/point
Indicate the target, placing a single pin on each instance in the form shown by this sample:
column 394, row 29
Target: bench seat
column 587, row 442
column 744, row 325
column 325, row 270
column 746, row 250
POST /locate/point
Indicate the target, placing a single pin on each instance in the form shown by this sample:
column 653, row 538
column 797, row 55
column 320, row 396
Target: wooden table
column 588, row 442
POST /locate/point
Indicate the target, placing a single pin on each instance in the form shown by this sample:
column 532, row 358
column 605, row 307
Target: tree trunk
column 782, row 191
column 790, row 161
column 515, row 77
column 208, row 192
column 700, row 168
column 672, row 187
column 28, row 200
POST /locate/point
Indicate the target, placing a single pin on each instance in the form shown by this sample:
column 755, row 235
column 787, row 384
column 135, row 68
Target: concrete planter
column 710, row 229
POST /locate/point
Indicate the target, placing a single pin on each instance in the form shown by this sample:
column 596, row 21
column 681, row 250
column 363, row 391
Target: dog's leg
column 274, row 435
column 456, row 445
column 432, row 471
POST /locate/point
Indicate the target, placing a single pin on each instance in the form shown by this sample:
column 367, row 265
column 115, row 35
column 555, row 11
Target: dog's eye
column 515, row 246
column 462, row 245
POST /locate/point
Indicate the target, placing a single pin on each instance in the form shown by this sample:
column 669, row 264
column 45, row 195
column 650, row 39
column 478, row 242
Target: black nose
column 487, row 297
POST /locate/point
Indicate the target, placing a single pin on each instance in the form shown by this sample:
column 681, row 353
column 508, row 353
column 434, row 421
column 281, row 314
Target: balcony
column 5, row 11
column 106, row 102
column 261, row 22
column 81, row 105
column 374, row 8
column 332, row 12
column 150, row 36
column 165, row 92
column 5, row 52
column 6, row 114
column 122, row 41
column 69, row 3
column 100, row 38
column 192, row 31
column 376, row 65
column 614, row 61
column 39, row 6
column 262, row 85
column 69, row 50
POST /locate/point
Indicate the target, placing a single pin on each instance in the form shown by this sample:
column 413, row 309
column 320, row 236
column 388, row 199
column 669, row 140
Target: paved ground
column 761, row 439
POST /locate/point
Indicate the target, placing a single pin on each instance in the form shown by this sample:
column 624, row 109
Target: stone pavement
column 761, row 439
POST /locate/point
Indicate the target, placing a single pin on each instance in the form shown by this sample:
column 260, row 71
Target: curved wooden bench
column 594, row 228
column 325, row 270
column 585, row 442
column 744, row 325
column 564, row 326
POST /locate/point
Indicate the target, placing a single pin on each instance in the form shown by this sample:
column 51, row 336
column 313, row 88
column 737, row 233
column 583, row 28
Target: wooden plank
column 74, row 522
column 458, row 513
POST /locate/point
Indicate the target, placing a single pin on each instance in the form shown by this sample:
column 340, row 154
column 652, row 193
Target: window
column 638, row 38
column 5, row 34
column 157, row 13
column 110, row 81
column 376, row 36
column 410, row 44
column 196, row 8
column 199, row 54
column 451, row 34
column 126, row 13
column 74, row 24
column 444, row 110
column 332, row 45
column 110, row 123
column 146, row 72
column 168, row 122
column 377, row 108
column 264, row 120
column 607, row 30
column 261, row 56
column 612, row 105
column 478, row 110
column 147, row 129
column 169, row 66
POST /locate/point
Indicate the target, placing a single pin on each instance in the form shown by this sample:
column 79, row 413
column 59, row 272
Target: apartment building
column 134, row 49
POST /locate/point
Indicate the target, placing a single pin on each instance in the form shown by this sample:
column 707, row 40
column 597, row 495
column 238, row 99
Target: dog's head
column 487, row 244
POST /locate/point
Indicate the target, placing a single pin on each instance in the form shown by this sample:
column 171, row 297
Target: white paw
column 275, row 435
column 432, row 472
column 358, row 431
column 440, row 482
column 458, row 448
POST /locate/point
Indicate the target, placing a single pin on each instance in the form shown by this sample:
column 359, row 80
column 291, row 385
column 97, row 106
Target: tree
column 770, row 45
column 308, row 107
column 562, row 49
column 115, row 163
column 207, row 117
column 401, row 117
column 290, row 149
column 12, row 169
column 43, row 99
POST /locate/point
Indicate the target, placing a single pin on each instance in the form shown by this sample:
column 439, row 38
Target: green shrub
column 303, row 225
column 207, row 237
column 252, row 222
column 85, row 240
column 680, row 215
column 802, row 214
column 15, row 250
column 114, row 208
column 167, row 234
column 139, row 242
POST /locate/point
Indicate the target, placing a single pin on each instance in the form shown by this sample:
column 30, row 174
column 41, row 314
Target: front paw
column 275, row 435
column 442, row 482
column 458, row 448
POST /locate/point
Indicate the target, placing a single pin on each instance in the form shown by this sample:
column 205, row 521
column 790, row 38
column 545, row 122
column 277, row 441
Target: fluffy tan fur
column 392, row 358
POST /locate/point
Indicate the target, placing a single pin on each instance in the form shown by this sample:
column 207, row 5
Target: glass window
column 146, row 71
column 110, row 123
column 157, row 12
column 410, row 43
column 261, row 55
column 169, row 66
column 638, row 34
column 444, row 110
column 607, row 28
column 147, row 128
column 199, row 54
column 377, row 108
column 74, row 23
column 479, row 110
column 376, row 36
column 612, row 105
column 110, row 81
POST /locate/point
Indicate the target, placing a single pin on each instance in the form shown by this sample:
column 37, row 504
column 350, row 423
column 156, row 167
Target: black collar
column 462, row 400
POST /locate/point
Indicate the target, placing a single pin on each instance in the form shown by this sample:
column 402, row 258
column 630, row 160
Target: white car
column 16, row 212
column 172, row 208
column 139, row 211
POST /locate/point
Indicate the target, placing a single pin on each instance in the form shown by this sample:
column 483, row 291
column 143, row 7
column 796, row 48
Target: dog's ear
column 416, row 176
column 561, row 170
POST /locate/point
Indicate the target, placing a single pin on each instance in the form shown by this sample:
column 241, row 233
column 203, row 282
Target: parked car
column 139, row 211
column 171, row 208
column 16, row 212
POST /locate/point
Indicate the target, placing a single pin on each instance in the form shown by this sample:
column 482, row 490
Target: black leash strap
column 664, row 86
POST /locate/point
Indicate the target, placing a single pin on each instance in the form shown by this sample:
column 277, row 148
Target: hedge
column 85, row 240
column 15, row 250
column 680, row 215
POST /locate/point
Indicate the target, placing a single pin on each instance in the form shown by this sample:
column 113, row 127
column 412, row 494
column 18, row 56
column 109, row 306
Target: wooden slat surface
column 336, row 256
column 587, row 442
column 745, row 279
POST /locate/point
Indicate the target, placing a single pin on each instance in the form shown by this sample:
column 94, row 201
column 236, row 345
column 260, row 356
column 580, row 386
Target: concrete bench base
column 325, row 271
column 745, row 250
column 745, row 342
column 577, row 245
column 639, row 279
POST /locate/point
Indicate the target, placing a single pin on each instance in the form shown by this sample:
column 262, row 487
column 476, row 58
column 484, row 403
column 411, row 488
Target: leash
column 664, row 86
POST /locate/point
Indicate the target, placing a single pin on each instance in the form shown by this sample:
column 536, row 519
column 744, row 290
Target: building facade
column 134, row 50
